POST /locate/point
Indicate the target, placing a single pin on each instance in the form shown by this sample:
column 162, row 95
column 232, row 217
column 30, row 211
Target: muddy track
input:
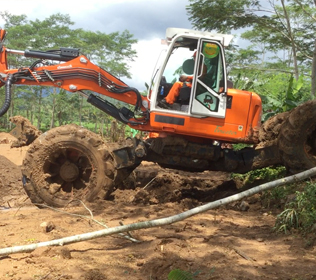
column 152, row 184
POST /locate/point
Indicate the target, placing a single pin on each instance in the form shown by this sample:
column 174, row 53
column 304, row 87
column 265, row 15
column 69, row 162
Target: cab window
column 209, row 80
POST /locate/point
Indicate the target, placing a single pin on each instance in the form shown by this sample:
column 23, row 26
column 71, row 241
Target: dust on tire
column 67, row 163
column 270, row 129
column 297, row 139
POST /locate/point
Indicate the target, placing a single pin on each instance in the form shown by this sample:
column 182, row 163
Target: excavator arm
column 67, row 69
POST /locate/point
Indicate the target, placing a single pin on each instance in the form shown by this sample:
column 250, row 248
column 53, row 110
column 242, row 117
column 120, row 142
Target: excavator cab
column 202, row 61
column 189, row 93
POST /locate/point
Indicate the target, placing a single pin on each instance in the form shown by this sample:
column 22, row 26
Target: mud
column 24, row 131
column 269, row 131
column 231, row 242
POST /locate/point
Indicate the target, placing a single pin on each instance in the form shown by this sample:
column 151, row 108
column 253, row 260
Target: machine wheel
column 67, row 163
column 297, row 139
column 270, row 129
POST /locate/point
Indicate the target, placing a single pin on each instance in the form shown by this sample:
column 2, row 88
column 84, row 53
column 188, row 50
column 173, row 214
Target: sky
column 147, row 20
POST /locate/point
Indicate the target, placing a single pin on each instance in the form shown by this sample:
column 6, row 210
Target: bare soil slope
column 225, row 243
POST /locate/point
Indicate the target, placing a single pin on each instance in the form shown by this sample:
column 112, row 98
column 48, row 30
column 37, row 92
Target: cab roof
column 224, row 39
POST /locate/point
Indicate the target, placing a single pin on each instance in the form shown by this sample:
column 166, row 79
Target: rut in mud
column 148, row 184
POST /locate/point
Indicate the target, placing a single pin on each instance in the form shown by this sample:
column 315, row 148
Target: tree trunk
column 60, row 121
column 32, row 115
column 313, row 78
column 96, row 124
column 39, row 117
column 102, row 127
column 53, row 110
column 80, row 109
column 114, row 131
column 108, row 126
column 123, row 126
column 291, row 36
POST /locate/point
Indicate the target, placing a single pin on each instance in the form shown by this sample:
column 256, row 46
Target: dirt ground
column 231, row 242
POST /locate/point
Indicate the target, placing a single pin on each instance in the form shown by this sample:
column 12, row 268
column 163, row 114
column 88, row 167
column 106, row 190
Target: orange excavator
column 194, row 133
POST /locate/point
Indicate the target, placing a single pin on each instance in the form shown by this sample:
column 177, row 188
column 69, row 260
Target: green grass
column 300, row 212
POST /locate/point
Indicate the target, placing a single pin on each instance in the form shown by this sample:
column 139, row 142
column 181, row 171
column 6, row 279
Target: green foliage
column 270, row 197
column 110, row 51
column 277, row 196
column 222, row 15
column 300, row 213
column 274, row 27
column 282, row 50
column 278, row 89
column 287, row 220
column 283, row 100
column 240, row 146
column 266, row 174
column 178, row 274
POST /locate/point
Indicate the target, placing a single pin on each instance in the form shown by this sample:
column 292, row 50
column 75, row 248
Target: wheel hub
column 69, row 172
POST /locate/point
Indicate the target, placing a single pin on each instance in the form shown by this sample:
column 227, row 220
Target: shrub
column 300, row 213
column 266, row 174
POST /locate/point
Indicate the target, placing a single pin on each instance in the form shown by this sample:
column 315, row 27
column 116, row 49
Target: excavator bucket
column 24, row 132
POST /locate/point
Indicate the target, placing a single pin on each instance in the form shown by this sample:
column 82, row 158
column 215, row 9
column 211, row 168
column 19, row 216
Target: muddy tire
column 270, row 130
column 297, row 140
column 65, row 164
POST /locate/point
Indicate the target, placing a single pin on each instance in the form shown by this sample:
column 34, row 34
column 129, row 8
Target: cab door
column 210, row 83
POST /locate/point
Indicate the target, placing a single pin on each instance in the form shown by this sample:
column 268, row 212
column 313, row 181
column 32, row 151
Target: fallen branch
column 149, row 183
column 163, row 221
column 242, row 254
column 91, row 218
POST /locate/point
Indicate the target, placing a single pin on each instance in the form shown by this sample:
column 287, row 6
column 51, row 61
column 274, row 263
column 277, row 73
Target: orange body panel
column 240, row 124
column 3, row 61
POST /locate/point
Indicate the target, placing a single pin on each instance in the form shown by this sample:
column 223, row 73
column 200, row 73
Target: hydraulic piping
column 7, row 100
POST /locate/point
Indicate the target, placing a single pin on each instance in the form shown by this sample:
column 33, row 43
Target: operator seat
column 185, row 91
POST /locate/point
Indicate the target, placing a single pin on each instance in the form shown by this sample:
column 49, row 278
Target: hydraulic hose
column 7, row 100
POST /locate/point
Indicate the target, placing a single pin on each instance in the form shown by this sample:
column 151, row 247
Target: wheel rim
column 68, row 170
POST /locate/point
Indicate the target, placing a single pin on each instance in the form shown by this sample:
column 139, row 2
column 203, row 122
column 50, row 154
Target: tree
column 39, row 35
column 281, row 27
column 110, row 51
